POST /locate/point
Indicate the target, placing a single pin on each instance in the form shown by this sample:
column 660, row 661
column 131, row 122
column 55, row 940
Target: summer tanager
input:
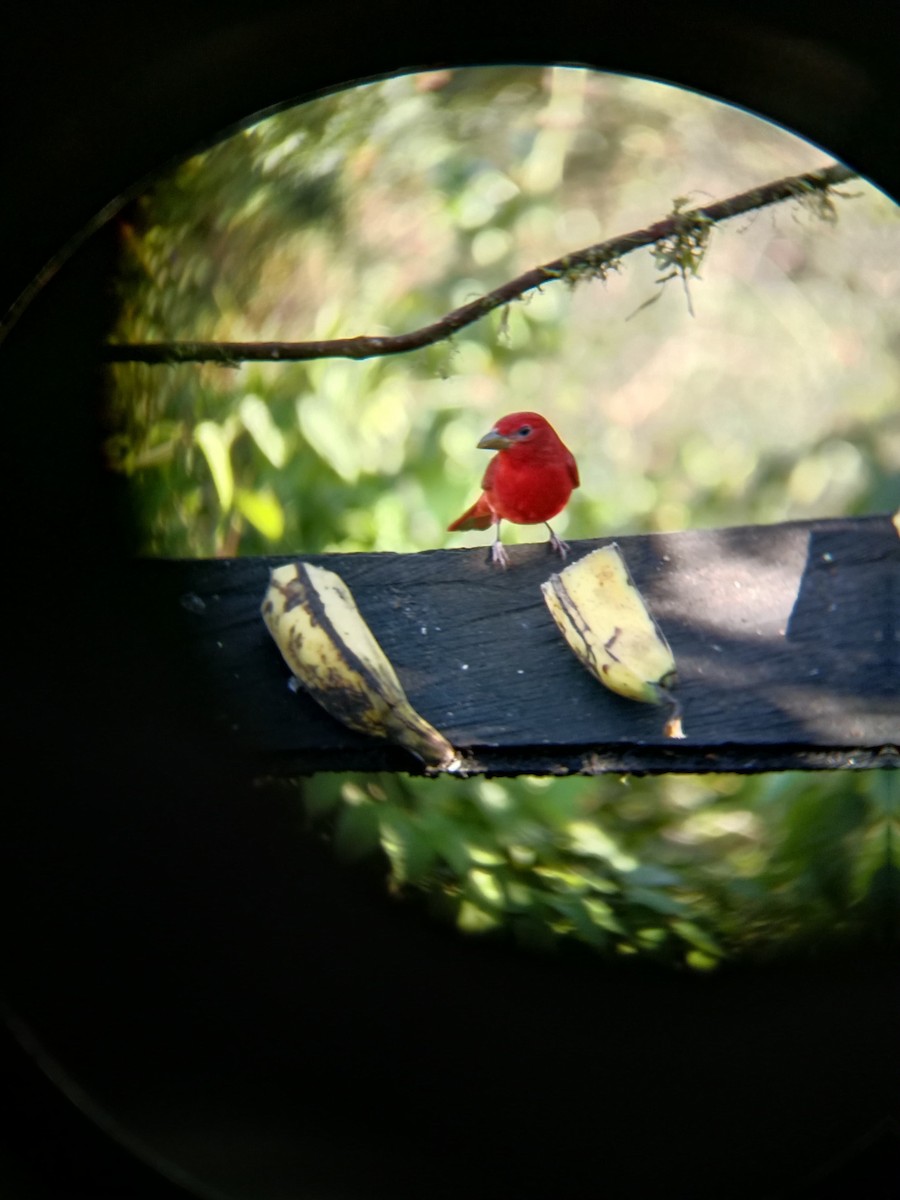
column 528, row 482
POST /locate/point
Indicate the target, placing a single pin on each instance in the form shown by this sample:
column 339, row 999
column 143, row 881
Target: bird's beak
column 494, row 441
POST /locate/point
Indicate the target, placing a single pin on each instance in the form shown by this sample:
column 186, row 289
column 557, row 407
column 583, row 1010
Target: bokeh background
column 770, row 393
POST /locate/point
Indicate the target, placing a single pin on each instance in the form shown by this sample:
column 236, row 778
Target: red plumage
column 529, row 481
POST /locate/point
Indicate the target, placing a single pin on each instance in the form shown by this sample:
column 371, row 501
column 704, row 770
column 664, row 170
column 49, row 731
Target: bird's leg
column 557, row 544
column 498, row 551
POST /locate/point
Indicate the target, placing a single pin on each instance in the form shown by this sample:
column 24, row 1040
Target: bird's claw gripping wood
column 558, row 545
column 527, row 482
column 498, row 555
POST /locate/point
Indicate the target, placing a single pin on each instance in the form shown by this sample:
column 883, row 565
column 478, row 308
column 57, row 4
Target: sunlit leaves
column 258, row 422
column 677, row 874
column 588, row 838
column 263, row 510
column 379, row 210
column 407, row 846
column 323, row 433
column 216, row 446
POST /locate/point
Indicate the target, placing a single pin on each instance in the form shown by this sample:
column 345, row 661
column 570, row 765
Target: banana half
column 312, row 616
column 603, row 617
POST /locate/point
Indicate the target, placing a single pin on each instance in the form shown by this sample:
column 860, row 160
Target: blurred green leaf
column 325, row 432
column 216, row 446
column 257, row 420
column 649, row 876
column 475, row 918
column 589, row 838
column 655, row 900
column 487, row 888
column 411, row 855
column 357, row 831
column 698, row 938
column 263, row 510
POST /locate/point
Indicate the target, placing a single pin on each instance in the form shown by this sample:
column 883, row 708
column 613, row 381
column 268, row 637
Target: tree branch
column 679, row 238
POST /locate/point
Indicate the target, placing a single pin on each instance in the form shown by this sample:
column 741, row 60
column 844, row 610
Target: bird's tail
column 479, row 516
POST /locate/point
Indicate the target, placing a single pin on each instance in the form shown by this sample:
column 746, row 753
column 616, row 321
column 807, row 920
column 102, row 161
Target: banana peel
column 604, row 619
column 313, row 619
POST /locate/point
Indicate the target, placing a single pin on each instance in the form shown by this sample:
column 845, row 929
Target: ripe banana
column 603, row 617
column 311, row 614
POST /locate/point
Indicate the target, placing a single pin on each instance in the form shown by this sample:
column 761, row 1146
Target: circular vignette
column 99, row 104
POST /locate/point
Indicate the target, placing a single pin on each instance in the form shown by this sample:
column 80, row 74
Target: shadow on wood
column 785, row 636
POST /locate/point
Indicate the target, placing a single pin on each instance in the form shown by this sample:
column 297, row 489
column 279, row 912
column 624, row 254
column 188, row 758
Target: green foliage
column 379, row 210
column 382, row 208
column 687, row 871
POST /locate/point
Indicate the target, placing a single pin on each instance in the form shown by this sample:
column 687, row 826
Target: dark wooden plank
column 787, row 639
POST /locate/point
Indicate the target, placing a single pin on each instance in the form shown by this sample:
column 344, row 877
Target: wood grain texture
column 787, row 640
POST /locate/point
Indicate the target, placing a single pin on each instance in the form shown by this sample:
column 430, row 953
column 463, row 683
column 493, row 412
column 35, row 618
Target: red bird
column 528, row 482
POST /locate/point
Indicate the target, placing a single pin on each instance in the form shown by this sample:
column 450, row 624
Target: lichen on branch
column 679, row 242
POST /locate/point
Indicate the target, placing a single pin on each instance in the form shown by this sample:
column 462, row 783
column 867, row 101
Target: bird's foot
column 499, row 556
column 557, row 545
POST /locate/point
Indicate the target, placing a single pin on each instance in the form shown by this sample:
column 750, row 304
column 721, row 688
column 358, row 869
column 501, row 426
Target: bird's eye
column 523, row 431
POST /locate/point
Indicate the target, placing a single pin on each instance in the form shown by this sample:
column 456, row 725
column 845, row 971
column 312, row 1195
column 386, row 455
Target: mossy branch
column 679, row 240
